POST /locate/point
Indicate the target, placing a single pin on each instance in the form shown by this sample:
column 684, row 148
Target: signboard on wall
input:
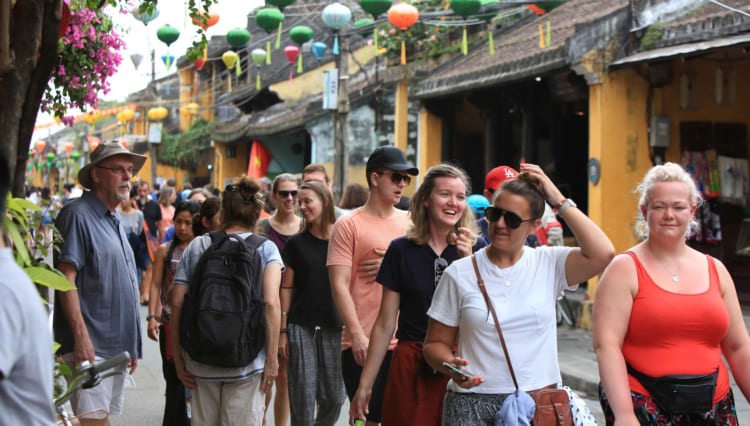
column 330, row 89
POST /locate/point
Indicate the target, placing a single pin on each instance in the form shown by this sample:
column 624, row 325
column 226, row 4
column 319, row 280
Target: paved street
column 144, row 403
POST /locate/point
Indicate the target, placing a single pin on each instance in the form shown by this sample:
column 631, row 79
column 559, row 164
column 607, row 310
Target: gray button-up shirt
column 95, row 243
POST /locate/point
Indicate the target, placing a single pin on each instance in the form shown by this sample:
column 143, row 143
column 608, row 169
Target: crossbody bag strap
column 487, row 300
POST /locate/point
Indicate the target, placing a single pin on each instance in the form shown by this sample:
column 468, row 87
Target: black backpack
column 223, row 319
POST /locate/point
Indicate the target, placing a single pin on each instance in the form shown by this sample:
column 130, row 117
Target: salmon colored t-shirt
column 671, row 333
column 353, row 240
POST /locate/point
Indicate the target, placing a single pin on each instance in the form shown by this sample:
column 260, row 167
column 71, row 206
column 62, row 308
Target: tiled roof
column 517, row 52
column 705, row 22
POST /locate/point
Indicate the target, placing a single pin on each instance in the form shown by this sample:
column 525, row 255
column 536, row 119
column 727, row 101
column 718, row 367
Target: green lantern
column 238, row 37
column 281, row 4
column 300, row 35
column 168, row 34
column 75, row 155
column 465, row 8
column 269, row 19
column 487, row 17
column 375, row 8
column 363, row 22
column 50, row 156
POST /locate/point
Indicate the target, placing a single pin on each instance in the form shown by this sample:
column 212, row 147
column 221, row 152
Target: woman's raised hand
column 550, row 191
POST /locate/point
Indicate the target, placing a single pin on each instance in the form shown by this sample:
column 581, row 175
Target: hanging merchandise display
column 269, row 19
column 403, row 16
column 300, row 35
column 336, row 16
column 375, row 8
column 258, row 56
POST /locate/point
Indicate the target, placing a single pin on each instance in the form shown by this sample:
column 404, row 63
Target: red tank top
column 671, row 333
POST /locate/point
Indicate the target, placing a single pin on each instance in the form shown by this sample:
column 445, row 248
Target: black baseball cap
column 390, row 157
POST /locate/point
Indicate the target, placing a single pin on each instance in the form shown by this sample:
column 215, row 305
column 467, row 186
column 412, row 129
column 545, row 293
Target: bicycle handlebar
column 111, row 362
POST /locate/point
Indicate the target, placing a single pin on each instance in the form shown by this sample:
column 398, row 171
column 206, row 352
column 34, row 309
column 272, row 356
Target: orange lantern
column 211, row 20
column 124, row 143
column 68, row 147
column 403, row 16
column 40, row 144
column 93, row 144
column 191, row 108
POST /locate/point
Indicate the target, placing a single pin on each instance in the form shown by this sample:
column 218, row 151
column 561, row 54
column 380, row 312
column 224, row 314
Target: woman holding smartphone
column 523, row 284
column 443, row 230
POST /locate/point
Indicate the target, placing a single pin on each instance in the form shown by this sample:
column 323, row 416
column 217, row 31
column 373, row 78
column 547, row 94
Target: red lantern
column 199, row 63
column 40, row 144
column 403, row 16
column 124, row 143
column 291, row 53
column 68, row 147
column 93, row 144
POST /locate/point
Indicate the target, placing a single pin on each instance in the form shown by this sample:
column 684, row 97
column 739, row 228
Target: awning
column 683, row 49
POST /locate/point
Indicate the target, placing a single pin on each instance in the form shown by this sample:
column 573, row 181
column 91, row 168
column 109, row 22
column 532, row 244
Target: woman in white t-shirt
column 523, row 284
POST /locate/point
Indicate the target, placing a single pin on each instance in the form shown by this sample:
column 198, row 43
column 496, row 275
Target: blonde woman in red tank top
column 663, row 309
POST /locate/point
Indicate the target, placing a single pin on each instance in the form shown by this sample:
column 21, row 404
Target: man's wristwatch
column 154, row 316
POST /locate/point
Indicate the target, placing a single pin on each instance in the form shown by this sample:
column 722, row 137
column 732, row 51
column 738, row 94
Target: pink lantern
column 291, row 53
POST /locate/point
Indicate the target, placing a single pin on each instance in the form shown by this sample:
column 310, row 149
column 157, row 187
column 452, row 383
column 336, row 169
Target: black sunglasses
column 439, row 265
column 285, row 194
column 512, row 220
column 397, row 177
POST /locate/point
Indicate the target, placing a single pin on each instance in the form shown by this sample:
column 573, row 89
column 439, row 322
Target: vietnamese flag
column 260, row 158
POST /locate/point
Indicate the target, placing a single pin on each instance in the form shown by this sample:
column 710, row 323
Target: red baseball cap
column 497, row 176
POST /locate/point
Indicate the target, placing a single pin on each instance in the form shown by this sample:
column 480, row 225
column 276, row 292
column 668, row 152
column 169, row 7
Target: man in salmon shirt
column 361, row 236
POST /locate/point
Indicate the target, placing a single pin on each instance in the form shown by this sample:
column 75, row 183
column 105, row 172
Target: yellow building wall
column 430, row 140
column 224, row 168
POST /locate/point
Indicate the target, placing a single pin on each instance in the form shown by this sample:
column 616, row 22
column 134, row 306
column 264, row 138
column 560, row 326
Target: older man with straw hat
column 101, row 318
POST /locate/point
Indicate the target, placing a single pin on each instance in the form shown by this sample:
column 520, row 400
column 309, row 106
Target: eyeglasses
column 439, row 265
column 122, row 171
column 285, row 194
column 397, row 177
column 512, row 220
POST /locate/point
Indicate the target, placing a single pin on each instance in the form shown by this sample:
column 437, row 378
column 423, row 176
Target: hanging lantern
column 403, row 16
column 259, row 56
column 336, row 16
column 145, row 18
column 300, row 35
column 75, row 155
column 206, row 20
column 375, row 8
column 363, row 22
column 136, row 59
column 542, row 7
column 281, row 4
column 465, row 8
column 318, row 49
column 291, row 53
column 167, row 59
column 123, row 142
column 199, row 63
column 91, row 116
column 125, row 115
column 168, row 34
column 229, row 58
column 191, row 108
column 93, row 144
column 68, row 147
column 270, row 19
column 50, row 156
column 40, row 144
column 157, row 113
column 238, row 37
column 487, row 17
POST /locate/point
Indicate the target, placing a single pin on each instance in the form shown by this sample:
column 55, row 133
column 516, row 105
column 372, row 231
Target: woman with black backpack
column 167, row 257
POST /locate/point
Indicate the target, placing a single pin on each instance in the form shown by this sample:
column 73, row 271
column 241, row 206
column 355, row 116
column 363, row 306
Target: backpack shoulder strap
column 254, row 241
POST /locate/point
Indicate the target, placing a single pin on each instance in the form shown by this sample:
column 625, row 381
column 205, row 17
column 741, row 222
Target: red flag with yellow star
column 260, row 158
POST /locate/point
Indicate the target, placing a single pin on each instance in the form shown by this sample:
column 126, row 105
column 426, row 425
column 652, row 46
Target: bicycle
column 88, row 376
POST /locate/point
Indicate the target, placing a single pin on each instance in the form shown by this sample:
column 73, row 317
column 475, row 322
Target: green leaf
column 49, row 278
column 19, row 244
column 55, row 348
column 22, row 204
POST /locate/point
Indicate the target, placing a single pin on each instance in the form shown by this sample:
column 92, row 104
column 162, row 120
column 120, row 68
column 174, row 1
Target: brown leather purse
column 552, row 404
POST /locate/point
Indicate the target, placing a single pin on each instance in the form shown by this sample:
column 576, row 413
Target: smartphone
column 457, row 370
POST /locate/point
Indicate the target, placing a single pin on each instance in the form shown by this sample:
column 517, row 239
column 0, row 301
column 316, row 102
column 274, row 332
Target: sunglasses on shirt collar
column 512, row 220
